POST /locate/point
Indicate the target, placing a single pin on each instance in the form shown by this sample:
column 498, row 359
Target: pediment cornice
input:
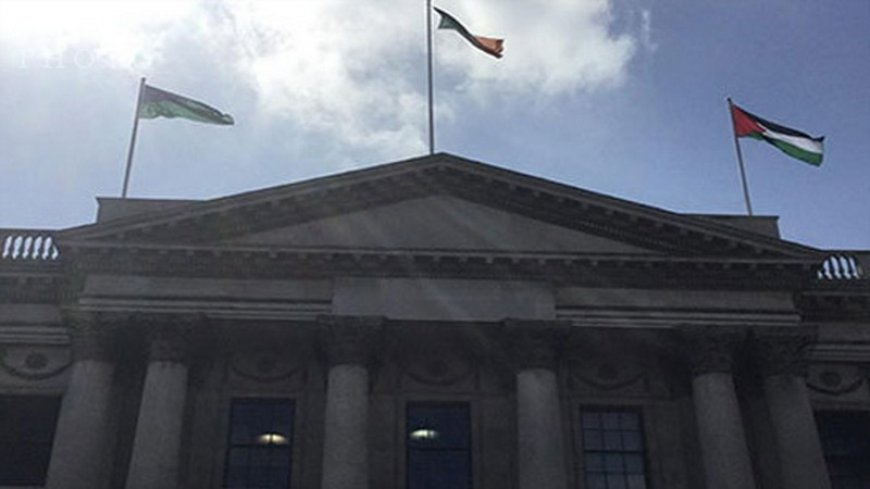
column 660, row 231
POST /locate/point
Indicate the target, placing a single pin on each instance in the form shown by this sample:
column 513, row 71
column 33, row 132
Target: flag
column 160, row 103
column 488, row 45
column 792, row 142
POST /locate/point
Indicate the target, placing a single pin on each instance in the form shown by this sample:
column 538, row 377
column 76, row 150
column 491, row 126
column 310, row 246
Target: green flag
column 160, row 103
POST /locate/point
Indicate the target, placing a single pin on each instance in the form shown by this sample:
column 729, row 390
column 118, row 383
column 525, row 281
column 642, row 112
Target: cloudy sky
column 621, row 97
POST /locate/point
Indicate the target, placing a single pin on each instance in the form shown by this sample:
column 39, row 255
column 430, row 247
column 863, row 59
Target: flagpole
column 429, row 60
column 740, row 161
column 133, row 138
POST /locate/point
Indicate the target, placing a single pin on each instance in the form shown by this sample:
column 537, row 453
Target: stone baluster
column 156, row 446
column 345, row 445
column 779, row 353
column 80, row 440
column 541, row 447
column 724, row 451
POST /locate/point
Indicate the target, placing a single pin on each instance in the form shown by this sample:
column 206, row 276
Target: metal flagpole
column 133, row 138
column 740, row 160
column 429, row 59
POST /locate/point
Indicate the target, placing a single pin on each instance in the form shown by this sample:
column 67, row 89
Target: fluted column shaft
column 345, row 444
column 724, row 451
column 540, row 443
column 779, row 353
column 156, row 447
column 77, row 455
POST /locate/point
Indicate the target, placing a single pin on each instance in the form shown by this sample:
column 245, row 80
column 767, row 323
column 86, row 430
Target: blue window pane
column 593, row 440
column 612, row 441
column 591, row 420
column 235, row 476
column 616, row 481
column 439, row 446
column 450, row 425
column 634, row 464
column 594, row 462
column 596, row 481
column 280, row 458
column 631, row 441
column 636, row 481
column 260, row 444
column 613, row 463
column 629, row 421
column 845, row 439
column 610, row 421
column 613, row 449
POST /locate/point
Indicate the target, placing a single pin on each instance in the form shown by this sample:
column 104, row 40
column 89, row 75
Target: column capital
column 782, row 350
column 711, row 348
column 535, row 343
column 348, row 339
column 168, row 335
column 90, row 336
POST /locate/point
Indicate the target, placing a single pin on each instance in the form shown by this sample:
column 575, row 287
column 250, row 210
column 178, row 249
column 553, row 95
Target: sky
column 625, row 98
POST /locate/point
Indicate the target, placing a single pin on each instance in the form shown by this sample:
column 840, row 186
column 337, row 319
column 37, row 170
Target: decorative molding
column 37, row 364
column 711, row 349
column 169, row 335
column 835, row 380
column 91, row 335
column 433, row 360
column 609, row 382
column 782, row 351
column 266, row 366
column 349, row 339
column 535, row 343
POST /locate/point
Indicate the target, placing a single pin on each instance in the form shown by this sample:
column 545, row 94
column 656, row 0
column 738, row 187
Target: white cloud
column 646, row 31
column 552, row 47
column 351, row 71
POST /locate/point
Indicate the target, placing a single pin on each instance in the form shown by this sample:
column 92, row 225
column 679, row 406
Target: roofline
column 441, row 159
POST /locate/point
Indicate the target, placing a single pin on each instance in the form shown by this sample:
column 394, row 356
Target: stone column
column 78, row 454
column 541, row 447
column 345, row 445
column 724, row 451
column 779, row 354
column 155, row 460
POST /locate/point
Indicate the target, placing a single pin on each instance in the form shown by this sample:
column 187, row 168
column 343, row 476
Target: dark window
column 613, row 449
column 846, row 445
column 26, row 431
column 260, row 444
column 438, row 438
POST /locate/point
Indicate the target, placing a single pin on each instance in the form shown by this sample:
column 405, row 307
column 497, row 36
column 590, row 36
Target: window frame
column 579, row 435
column 821, row 413
column 48, row 445
column 227, row 435
column 470, row 449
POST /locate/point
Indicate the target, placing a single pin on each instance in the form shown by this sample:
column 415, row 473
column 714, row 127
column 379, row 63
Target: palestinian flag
column 160, row 103
column 488, row 45
column 792, row 142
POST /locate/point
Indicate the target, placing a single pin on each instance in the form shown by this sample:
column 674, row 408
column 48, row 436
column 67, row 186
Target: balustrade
column 844, row 265
column 27, row 245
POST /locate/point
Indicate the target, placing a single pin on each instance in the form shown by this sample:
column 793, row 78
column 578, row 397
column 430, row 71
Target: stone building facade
column 435, row 323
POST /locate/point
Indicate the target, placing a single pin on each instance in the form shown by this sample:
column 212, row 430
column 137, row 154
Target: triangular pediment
column 435, row 202
column 437, row 222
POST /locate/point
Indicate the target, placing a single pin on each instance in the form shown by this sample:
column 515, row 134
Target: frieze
column 569, row 268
